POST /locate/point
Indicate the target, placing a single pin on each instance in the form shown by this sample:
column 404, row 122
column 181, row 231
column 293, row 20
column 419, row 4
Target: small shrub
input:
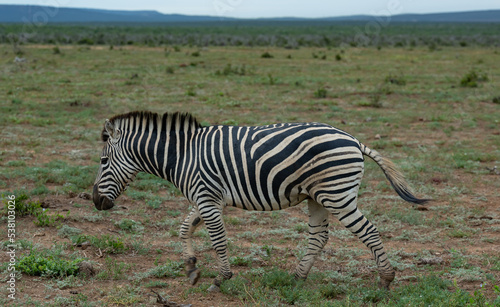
column 113, row 270
column 232, row 70
column 40, row 190
column 22, row 207
column 338, row 57
column 301, row 227
column 277, row 278
column 195, row 54
column 92, row 218
column 154, row 203
column 240, row 261
column 67, row 231
column 376, row 97
column 496, row 99
column 267, row 55
column 106, row 243
column 232, row 220
column 374, row 295
column 37, row 264
column 69, row 282
column 85, row 41
column 56, row 50
column 173, row 232
column 272, row 80
column 170, row 70
column 16, row 163
column 169, row 269
column 331, row 291
column 43, row 219
column 139, row 246
column 173, row 213
column 432, row 47
column 457, row 233
column 18, row 51
column 397, row 80
column 320, row 93
column 130, row 225
column 473, row 78
column 290, row 295
column 156, row 284
column 235, row 286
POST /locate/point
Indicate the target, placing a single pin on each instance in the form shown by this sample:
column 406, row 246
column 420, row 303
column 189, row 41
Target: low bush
column 473, row 78
column 39, row 264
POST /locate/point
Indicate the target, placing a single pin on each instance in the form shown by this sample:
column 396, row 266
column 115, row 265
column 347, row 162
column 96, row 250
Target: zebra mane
column 139, row 116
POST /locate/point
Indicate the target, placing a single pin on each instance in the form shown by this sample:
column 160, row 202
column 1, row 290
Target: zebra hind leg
column 350, row 216
column 189, row 225
column 318, row 236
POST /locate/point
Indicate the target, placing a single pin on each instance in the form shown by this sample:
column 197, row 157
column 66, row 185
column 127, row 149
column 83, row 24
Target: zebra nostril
column 101, row 202
column 105, row 203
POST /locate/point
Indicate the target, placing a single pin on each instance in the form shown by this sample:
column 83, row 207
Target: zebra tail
column 394, row 175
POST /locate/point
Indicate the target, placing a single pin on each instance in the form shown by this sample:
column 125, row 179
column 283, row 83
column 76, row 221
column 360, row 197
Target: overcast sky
column 276, row 8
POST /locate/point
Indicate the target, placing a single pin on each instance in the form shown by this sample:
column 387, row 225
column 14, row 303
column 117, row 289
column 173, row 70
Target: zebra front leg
column 189, row 225
column 212, row 216
column 318, row 236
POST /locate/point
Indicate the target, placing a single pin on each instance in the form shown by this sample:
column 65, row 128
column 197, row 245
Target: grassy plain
column 408, row 103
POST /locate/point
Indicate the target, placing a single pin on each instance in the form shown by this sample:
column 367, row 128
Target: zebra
column 261, row 168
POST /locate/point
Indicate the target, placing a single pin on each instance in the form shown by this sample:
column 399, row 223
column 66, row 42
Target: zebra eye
column 104, row 160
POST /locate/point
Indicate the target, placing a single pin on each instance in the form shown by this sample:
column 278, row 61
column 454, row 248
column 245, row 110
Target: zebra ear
column 111, row 131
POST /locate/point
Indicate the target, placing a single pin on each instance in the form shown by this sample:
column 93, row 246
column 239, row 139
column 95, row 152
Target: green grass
column 113, row 270
column 169, row 269
column 129, row 225
column 278, row 287
column 106, row 243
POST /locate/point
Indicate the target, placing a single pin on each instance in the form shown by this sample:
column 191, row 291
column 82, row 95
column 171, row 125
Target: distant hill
column 45, row 14
column 472, row 16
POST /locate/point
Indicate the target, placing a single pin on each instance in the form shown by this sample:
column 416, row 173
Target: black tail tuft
column 394, row 176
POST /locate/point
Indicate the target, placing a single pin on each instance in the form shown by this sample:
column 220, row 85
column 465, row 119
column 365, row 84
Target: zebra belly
column 247, row 204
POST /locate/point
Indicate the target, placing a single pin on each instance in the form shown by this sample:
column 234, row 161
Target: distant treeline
column 287, row 34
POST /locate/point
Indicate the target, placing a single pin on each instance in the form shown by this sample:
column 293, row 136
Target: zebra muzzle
column 101, row 202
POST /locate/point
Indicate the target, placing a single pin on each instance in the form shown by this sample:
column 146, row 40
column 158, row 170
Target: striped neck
column 156, row 144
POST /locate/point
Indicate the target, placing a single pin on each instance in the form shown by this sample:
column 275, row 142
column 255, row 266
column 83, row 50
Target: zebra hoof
column 384, row 284
column 298, row 277
column 194, row 275
column 386, row 278
column 213, row 289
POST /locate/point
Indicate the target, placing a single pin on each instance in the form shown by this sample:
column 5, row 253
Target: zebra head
column 115, row 171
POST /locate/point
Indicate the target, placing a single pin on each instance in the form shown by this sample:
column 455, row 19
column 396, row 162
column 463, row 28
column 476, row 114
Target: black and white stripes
column 260, row 168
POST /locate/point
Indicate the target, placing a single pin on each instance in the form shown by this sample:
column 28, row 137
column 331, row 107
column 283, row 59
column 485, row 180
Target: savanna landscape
column 427, row 97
